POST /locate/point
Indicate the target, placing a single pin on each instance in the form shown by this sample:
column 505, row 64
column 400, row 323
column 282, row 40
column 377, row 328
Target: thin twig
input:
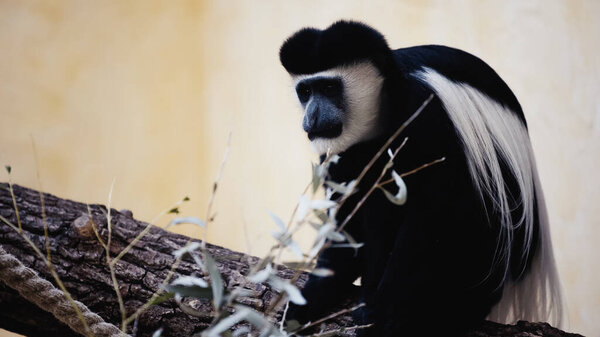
column 94, row 227
column 209, row 217
column 289, row 224
column 39, row 182
column 111, row 266
column 246, row 236
column 328, row 317
column 349, row 328
column 413, row 171
column 108, row 217
column 14, row 200
column 283, row 316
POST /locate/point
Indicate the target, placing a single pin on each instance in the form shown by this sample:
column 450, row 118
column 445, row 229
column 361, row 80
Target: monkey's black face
column 323, row 101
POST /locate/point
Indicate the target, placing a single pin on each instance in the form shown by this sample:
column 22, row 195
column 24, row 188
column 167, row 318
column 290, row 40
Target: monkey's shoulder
column 458, row 66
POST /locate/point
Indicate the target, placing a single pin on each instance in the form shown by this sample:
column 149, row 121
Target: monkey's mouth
column 332, row 132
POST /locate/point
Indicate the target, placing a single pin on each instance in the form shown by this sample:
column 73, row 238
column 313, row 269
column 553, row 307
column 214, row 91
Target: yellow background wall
column 146, row 92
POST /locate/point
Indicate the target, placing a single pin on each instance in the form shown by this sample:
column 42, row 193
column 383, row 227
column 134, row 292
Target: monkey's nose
column 310, row 119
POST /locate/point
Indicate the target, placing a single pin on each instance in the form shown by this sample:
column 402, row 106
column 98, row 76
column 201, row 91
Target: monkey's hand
column 323, row 294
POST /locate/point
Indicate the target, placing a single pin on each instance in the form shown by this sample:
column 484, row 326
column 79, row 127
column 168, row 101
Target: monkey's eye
column 331, row 89
column 303, row 92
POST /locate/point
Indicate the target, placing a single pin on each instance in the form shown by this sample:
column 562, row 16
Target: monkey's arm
column 324, row 293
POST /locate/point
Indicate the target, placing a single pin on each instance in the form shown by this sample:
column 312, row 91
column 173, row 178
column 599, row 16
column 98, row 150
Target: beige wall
column 145, row 92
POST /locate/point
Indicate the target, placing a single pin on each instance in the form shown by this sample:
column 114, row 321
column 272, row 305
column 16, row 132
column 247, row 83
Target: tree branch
column 79, row 260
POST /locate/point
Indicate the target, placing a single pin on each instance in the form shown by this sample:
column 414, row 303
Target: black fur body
column 431, row 265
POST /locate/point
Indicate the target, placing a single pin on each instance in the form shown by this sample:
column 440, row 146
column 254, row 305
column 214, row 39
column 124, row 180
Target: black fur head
column 312, row 50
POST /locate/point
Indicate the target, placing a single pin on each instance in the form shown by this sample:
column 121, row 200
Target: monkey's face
column 323, row 101
column 341, row 106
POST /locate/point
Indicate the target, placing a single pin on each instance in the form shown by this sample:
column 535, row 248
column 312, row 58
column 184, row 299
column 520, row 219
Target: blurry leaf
column 198, row 262
column 190, row 219
column 293, row 264
column 294, row 248
column 348, row 237
column 190, row 281
column 322, row 204
column 243, row 292
column 347, row 245
column 259, row 321
column 316, row 248
column 292, row 325
column 264, row 262
column 322, row 215
column 391, row 197
column 278, row 221
column 334, row 159
column 291, row 290
column 329, row 193
column 332, row 214
column 318, row 172
column 351, row 240
column 262, row 275
column 215, row 280
column 299, row 265
column 336, row 236
column 315, row 225
column 319, row 207
column 266, row 331
column 8, row 168
column 161, row 298
column 226, row 323
column 324, row 232
column 294, row 294
column 286, row 241
column 240, row 331
column 174, row 210
column 157, row 333
column 303, row 207
column 255, row 318
column 339, row 188
column 351, row 187
column 322, row 272
column 400, row 197
column 344, row 188
column 186, row 249
column 277, row 235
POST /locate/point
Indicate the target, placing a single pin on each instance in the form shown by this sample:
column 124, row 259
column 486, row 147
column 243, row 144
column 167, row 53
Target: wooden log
column 80, row 262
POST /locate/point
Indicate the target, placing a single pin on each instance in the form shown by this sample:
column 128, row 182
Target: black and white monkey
column 472, row 241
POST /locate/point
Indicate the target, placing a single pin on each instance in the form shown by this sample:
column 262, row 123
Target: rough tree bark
column 80, row 261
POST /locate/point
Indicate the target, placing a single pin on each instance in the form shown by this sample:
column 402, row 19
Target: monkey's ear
column 295, row 53
column 345, row 42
